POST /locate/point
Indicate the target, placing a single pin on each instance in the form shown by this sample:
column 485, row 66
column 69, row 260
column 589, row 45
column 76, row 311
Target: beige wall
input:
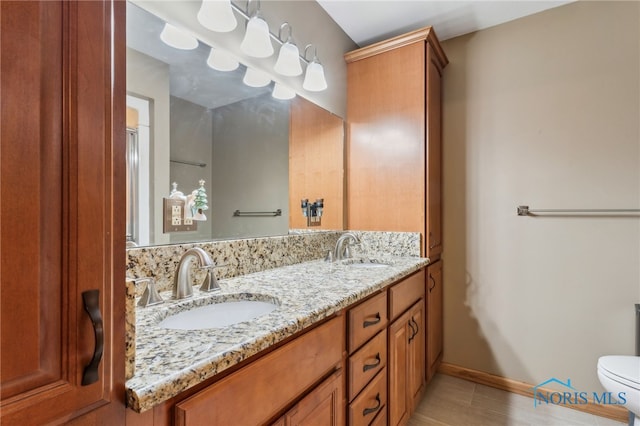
column 543, row 111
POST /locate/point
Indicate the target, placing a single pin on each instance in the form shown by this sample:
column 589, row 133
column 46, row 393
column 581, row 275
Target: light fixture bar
column 272, row 35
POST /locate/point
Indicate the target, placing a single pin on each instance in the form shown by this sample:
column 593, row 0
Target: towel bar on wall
column 189, row 163
column 238, row 213
column 526, row 211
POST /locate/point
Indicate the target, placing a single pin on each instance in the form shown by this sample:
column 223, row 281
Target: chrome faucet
column 182, row 287
column 342, row 245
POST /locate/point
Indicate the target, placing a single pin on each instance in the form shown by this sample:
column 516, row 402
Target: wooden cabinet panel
column 406, row 363
column 248, row 397
column 405, row 293
column 62, row 111
column 367, row 319
column 366, row 362
column 434, row 320
column 434, row 156
column 370, row 402
column 316, row 163
column 325, row 405
column 381, row 418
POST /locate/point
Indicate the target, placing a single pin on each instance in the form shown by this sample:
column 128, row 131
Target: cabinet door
column 325, row 405
column 416, row 354
column 433, row 240
column 386, row 149
column 60, row 163
column 434, row 321
column 399, row 334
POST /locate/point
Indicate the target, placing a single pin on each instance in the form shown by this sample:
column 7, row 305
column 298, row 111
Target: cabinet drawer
column 370, row 402
column 405, row 293
column 381, row 418
column 246, row 397
column 366, row 319
column 366, row 362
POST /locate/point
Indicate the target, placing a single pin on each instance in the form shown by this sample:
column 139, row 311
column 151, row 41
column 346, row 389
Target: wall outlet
column 188, row 221
column 176, row 211
column 175, row 221
column 172, row 217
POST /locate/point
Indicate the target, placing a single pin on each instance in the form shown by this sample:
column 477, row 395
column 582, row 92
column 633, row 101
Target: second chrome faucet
column 182, row 287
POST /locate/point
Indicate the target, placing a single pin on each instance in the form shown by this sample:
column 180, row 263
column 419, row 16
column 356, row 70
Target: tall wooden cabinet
column 394, row 137
column 62, row 212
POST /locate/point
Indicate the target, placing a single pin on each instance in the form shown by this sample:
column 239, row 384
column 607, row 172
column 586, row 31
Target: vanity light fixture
column 314, row 80
column 257, row 39
column 217, row 15
column 288, row 62
column 178, row 38
column 256, row 78
column 221, row 60
column 282, row 92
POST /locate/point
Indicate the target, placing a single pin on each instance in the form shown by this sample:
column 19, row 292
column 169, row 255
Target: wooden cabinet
column 394, row 137
column 62, row 171
column 406, row 363
column 406, row 351
column 434, row 321
column 262, row 389
column 322, row 406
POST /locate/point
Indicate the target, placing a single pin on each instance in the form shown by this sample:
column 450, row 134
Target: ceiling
column 369, row 21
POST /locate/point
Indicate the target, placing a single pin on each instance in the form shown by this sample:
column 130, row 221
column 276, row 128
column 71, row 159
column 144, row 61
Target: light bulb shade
column 256, row 78
column 288, row 62
column 217, row 15
column 314, row 80
column 282, row 92
column 221, row 60
column 257, row 42
column 175, row 37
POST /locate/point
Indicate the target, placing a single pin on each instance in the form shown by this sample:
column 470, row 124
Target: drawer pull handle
column 433, row 281
column 367, row 367
column 374, row 322
column 91, row 302
column 368, row 411
column 414, row 331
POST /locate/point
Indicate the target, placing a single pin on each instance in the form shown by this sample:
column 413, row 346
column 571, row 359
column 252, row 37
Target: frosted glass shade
column 282, row 92
column 314, row 80
column 257, row 42
column 175, row 37
column 256, row 78
column 288, row 62
column 221, row 60
column 217, row 15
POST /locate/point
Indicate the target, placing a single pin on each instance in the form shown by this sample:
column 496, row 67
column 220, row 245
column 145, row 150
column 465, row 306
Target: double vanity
column 290, row 332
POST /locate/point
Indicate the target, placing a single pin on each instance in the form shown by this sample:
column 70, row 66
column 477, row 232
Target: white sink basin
column 217, row 315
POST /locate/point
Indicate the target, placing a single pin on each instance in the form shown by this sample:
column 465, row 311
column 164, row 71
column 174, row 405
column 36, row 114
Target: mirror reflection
column 188, row 123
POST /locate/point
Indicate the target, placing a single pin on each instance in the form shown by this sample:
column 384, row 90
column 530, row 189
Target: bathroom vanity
column 329, row 351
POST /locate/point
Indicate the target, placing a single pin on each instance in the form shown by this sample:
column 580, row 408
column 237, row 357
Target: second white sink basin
column 218, row 315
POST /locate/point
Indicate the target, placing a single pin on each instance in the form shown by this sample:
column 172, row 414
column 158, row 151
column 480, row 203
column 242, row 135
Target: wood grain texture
column 292, row 369
column 374, row 395
column 62, row 162
column 366, row 363
column 316, row 164
column 386, row 149
column 399, row 400
column 435, row 335
column 366, row 320
column 405, row 293
column 325, row 405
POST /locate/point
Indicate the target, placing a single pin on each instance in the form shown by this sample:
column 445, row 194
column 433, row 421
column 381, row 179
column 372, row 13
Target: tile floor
column 450, row 401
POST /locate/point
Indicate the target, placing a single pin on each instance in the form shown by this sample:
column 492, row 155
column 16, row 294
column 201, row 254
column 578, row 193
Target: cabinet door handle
column 433, row 281
column 417, row 326
column 367, row 367
column 413, row 330
column 374, row 322
column 91, row 300
column 368, row 411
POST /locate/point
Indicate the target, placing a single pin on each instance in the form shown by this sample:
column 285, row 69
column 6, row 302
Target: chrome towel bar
column 526, row 211
column 189, row 163
column 238, row 213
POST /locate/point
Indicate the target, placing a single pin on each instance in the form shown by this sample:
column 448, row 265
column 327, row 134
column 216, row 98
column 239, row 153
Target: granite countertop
column 168, row 362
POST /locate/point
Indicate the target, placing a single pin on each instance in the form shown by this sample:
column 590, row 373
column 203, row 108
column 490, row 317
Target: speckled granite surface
column 170, row 361
column 250, row 255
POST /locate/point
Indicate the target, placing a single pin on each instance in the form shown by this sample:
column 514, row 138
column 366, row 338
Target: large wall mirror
column 188, row 122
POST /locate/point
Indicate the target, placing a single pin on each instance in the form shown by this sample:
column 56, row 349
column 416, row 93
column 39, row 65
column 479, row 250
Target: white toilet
column 618, row 373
